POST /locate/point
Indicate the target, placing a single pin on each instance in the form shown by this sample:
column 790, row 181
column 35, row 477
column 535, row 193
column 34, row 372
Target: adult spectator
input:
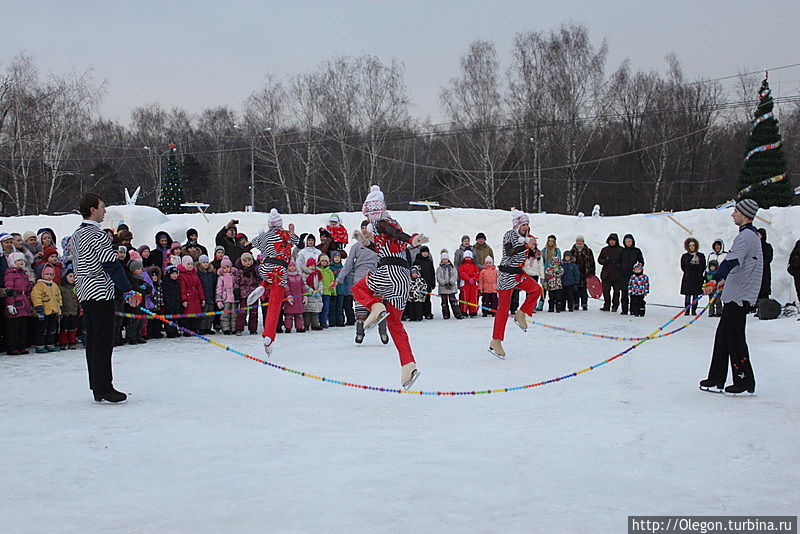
column 482, row 250
column 191, row 237
column 428, row 273
column 766, row 276
column 739, row 276
column 327, row 245
column 160, row 254
column 584, row 259
column 235, row 243
column 609, row 258
column 310, row 250
column 693, row 265
column 718, row 251
column 794, row 268
column 458, row 256
column 97, row 273
column 629, row 256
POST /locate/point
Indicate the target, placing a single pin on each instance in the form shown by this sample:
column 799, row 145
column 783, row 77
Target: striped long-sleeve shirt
column 94, row 260
column 514, row 254
column 391, row 282
column 275, row 244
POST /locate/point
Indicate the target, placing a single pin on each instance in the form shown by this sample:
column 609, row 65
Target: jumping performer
column 517, row 243
column 384, row 292
column 276, row 246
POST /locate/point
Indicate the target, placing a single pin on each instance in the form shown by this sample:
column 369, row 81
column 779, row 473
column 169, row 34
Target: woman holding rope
column 276, row 245
column 384, row 292
column 517, row 242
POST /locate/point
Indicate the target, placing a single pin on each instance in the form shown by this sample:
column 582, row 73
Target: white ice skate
column 376, row 315
column 255, row 295
column 268, row 346
column 521, row 320
column 496, row 348
column 408, row 375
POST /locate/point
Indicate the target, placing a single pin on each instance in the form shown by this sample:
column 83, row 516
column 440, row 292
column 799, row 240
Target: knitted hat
column 218, row 247
column 47, row 252
column 336, row 253
column 311, row 262
column 135, row 264
column 323, row 257
column 226, row 262
column 274, row 219
column 444, row 255
column 175, row 245
column 335, row 218
column 48, row 268
column 203, row 258
column 171, row 269
column 241, row 236
column 747, row 207
column 5, row 237
column 374, row 205
column 187, row 261
column 134, row 255
column 27, row 235
column 579, row 238
column 247, row 255
column 488, row 260
column 638, row 265
column 323, row 232
column 556, row 260
column 143, row 248
column 122, row 226
column 14, row 257
column 519, row 218
column 463, row 237
column 713, row 263
column 192, row 244
column 467, row 254
column 480, row 235
column 415, row 269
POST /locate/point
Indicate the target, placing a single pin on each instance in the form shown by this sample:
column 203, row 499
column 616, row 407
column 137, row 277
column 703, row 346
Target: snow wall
column 660, row 239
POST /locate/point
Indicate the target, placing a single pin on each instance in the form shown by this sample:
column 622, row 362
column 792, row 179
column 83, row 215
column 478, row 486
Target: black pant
column 448, row 302
column 46, row 330
column 515, row 300
column 571, row 297
column 624, row 299
column 16, row 333
column 556, row 302
column 490, row 301
column 133, row 332
column 637, row 305
column 426, row 309
column 690, row 299
column 797, row 287
column 99, row 322
column 349, row 312
column 608, row 287
column 582, row 295
column 730, row 344
column 415, row 310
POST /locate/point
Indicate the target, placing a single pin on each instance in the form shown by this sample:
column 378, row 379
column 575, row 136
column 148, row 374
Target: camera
column 235, row 221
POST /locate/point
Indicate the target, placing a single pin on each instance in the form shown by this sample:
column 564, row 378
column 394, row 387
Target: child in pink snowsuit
column 293, row 311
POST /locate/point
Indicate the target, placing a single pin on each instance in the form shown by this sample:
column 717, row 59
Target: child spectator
column 313, row 305
column 447, row 282
column 552, row 280
column 156, row 301
column 50, row 257
column 570, row 280
column 46, row 300
column 469, row 273
column 193, row 297
column 337, row 300
column 416, row 297
column 70, row 309
column 715, row 309
column 533, row 267
column 293, row 308
column 638, row 288
column 219, row 253
column 18, row 304
column 328, row 290
column 147, row 257
column 310, row 250
column 247, row 279
column 171, row 290
column 428, row 273
column 337, row 231
column 226, row 296
column 208, row 279
column 175, row 254
column 487, row 283
column 718, row 251
column 133, row 332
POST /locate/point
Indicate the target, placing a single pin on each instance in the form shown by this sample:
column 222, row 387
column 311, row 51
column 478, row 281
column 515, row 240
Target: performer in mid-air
column 276, row 246
column 385, row 291
column 517, row 243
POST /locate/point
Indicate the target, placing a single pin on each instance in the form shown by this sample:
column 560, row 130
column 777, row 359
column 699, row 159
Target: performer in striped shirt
column 276, row 246
column 98, row 273
column 517, row 243
column 385, row 291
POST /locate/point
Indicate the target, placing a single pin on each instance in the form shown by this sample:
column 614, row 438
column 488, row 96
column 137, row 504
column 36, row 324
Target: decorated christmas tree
column 172, row 195
column 763, row 176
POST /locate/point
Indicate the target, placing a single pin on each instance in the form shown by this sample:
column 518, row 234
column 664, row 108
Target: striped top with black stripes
column 514, row 254
column 91, row 248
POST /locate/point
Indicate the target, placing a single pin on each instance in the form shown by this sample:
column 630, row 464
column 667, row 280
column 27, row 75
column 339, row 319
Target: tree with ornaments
column 763, row 176
column 172, row 194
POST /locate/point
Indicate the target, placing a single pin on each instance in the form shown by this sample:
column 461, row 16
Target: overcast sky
column 198, row 53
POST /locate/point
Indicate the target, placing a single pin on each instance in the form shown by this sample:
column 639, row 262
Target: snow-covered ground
column 212, row 442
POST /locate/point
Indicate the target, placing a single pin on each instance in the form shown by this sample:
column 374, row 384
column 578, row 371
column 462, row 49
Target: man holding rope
column 97, row 273
column 739, row 278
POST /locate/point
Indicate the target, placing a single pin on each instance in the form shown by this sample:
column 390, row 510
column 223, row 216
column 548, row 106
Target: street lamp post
column 160, row 177
column 252, row 166
column 539, row 194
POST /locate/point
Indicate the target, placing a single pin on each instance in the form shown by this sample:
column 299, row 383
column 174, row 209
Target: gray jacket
column 743, row 281
column 447, row 279
column 360, row 262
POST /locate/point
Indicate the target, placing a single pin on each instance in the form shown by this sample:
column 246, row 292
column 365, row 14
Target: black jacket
column 794, row 260
column 766, row 275
column 171, row 291
column 426, row 267
column 208, row 280
column 156, row 255
column 693, row 274
column 628, row 257
column 609, row 259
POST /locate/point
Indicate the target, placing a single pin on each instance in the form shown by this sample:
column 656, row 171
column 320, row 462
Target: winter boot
column 41, row 350
column 382, row 331
column 521, row 320
column 113, row 397
column 540, row 305
column 52, row 348
column 376, row 315
column 359, row 332
column 408, row 375
column 711, row 386
column 496, row 348
column 737, row 390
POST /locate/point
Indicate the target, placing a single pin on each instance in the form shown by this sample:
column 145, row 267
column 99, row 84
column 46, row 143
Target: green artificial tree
column 172, row 195
column 764, row 157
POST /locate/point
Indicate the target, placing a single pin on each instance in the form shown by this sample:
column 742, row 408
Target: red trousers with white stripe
column 275, row 294
column 394, row 322
column 532, row 293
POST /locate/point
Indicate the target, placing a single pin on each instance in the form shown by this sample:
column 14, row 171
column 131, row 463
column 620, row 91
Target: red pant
column 275, row 293
column 394, row 322
column 532, row 293
column 469, row 294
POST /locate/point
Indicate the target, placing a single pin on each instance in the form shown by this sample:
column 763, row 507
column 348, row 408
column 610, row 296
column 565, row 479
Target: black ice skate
column 711, row 386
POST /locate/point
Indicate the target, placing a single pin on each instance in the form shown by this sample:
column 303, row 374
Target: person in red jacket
column 192, row 295
column 468, row 275
column 337, row 230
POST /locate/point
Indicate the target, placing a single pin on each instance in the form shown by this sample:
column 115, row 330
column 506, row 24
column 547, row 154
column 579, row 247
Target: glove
column 11, row 310
column 39, row 312
column 220, row 305
column 461, row 283
column 419, row 239
column 10, row 292
column 185, row 304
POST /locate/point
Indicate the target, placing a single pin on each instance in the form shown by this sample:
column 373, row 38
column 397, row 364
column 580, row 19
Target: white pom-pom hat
column 374, row 205
column 274, row 219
